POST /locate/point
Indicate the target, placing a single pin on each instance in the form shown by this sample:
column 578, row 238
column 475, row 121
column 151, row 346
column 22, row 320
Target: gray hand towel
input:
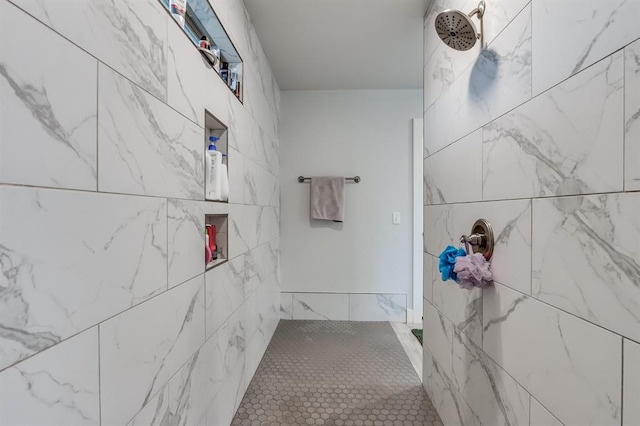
column 327, row 198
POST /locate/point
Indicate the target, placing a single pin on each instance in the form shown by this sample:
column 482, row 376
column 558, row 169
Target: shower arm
column 479, row 11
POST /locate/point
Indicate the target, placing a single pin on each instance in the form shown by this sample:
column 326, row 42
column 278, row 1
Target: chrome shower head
column 456, row 29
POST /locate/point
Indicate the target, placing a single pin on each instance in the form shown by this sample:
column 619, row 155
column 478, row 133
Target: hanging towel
column 327, row 198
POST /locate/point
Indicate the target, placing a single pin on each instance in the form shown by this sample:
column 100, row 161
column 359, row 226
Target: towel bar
column 356, row 179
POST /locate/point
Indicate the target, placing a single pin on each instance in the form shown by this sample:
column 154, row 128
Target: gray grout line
column 622, row 384
column 527, row 101
column 99, row 380
column 156, row 197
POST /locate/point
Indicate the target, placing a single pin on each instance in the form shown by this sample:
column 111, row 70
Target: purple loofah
column 473, row 271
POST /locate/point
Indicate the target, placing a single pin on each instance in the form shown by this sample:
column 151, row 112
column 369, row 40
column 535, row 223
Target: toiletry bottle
column 178, row 9
column 224, row 190
column 213, row 186
column 224, row 72
column 233, row 77
column 212, row 234
column 207, row 250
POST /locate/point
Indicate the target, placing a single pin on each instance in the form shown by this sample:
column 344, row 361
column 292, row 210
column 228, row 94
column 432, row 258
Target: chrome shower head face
column 456, row 29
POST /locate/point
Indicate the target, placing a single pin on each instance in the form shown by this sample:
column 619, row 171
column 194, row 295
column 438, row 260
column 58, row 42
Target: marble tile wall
column 344, row 306
column 107, row 315
column 539, row 134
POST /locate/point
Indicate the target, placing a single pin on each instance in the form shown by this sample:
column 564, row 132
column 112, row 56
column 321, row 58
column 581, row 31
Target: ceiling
column 341, row 44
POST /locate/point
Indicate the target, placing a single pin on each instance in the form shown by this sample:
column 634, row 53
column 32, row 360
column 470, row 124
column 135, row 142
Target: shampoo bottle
column 213, row 185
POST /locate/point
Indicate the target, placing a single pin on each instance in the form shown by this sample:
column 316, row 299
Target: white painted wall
column 366, row 133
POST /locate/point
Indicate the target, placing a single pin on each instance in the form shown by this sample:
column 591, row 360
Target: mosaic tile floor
column 335, row 373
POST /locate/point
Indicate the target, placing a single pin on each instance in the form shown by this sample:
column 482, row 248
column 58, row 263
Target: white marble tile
column 430, row 274
column 446, row 65
column 597, row 29
column 632, row 117
column 145, row 147
column 493, row 396
column 544, row 350
column 499, row 80
column 256, row 268
column 259, row 184
column 186, row 240
column 142, row 348
column 455, row 174
column 438, row 229
column 438, row 338
column 130, row 37
column 67, row 272
column 186, row 68
column 194, row 387
column 511, row 222
column 57, row 386
column 225, row 292
column 631, row 380
column 462, row 307
column 156, row 412
column 237, row 172
column 451, row 406
column 45, row 138
column 585, row 258
column 566, row 141
column 286, row 306
column 224, row 405
column 378, row 307
column 321, row 306
column 540, row 416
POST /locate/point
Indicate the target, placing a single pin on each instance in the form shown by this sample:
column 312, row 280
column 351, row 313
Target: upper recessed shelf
column 200, row 21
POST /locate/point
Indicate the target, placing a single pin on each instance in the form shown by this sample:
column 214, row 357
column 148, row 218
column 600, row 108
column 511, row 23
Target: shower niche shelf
column 220, row 221
column 216, row 128
column 201, row 21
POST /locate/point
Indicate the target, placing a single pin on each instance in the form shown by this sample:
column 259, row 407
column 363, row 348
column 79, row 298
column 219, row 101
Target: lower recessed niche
column 217, row 228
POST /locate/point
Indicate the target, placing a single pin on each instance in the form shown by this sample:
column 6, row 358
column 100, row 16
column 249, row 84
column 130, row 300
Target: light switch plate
column 395, row 218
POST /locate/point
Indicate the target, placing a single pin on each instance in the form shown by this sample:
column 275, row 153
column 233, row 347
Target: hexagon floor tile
column 335, row 373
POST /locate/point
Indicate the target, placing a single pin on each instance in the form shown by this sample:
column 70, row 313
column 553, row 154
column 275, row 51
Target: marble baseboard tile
column 632, row 116
column 578, row 386
column 378, row 307
column 144, row 146
column 96, row 255
column 344, row 306
column 631, row 380
column 142, row 348
column 46, row 138
column 493, row 396
column 57, row 386
column 597, row 30
column 130, row 37
column 565, row 141
column 585, row 258
column 321, row 306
